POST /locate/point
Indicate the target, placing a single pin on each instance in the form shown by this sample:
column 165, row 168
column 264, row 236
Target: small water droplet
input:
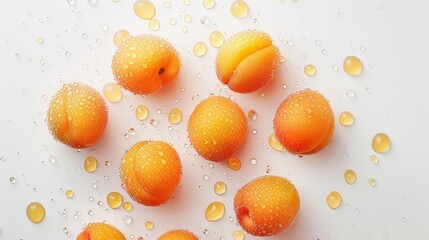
column 351, row 93
column 253, row 161
column 127, row 219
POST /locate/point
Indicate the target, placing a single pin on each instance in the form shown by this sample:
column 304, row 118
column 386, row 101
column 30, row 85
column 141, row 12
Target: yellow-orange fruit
column 100, row 231
column 151, row 172
column 266, row 205
column 217, row 128
column 304, row 122
column 247, row 61
column 77, row 115
column 145, row 63
column 178, row 235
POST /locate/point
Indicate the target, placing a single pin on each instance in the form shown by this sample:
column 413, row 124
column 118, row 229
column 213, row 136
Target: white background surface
column 395, row 42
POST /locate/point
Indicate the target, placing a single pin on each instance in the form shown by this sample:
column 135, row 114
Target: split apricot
column 247, row 61
column 217, row 128
column 151, row 172
column 100, row 231
column 178, row 235
column 145, row 63
column 77, row 115
column 304, row 122
column 267, row 205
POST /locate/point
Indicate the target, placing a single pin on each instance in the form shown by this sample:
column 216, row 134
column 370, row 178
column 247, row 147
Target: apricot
column 77, row 115
column 267, row 205
column 178, row 235
column 100, row 231
column 247, row 61
column 304, row 122
column 145, row 63
column 151, row 172
column 217, row 128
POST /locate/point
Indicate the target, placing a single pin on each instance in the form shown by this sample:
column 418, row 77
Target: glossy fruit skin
column 266, row 205
column 178, row 235
column 304, row 122
column 100, row 231
column 77, row 115
column 145, row 63
column 151, row 172
column 217, row 128
column 247, row 61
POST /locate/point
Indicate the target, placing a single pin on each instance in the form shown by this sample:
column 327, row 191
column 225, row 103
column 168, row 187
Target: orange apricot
column 151, row 172
column 267, row 205
column 100, row 231
column 77, row 115
column 178, row 235
column 217, row 128
column 304, row 122
column 145, row 63
column 247, row 61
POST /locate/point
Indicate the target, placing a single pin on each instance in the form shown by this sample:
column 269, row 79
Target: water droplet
column 142, row 112
column 187, row 18
column 220, row 188
column 334, row 68
column 352, row 65
column 234, row 164
column 205, row 177
column 149, row 225
column 104, row 27
column 71, row 2
column 40, row 40
column 114, row 200
column 350, row 176
column 175, row 116
column 310, row 70
column 35, row 212
column 205, row 20
column 90, row 164
column 216, row 39
column 12, row 180
column 112, row 92
column 127, row 206
column 351, row 93
column 239, row 9
column 69, row 193
column 215, row 211
column 372, row 182
column 381, row 143
column 374, row 159
column 200, row 49
column 275, row 144
column 154, row 24
column 127, row 219
column 208, row 4
column 238, row 235
column 144, row 9
column 253, row 161
column 252, row 114
column 121, row 36
column 333, row 199
column 346, row 118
